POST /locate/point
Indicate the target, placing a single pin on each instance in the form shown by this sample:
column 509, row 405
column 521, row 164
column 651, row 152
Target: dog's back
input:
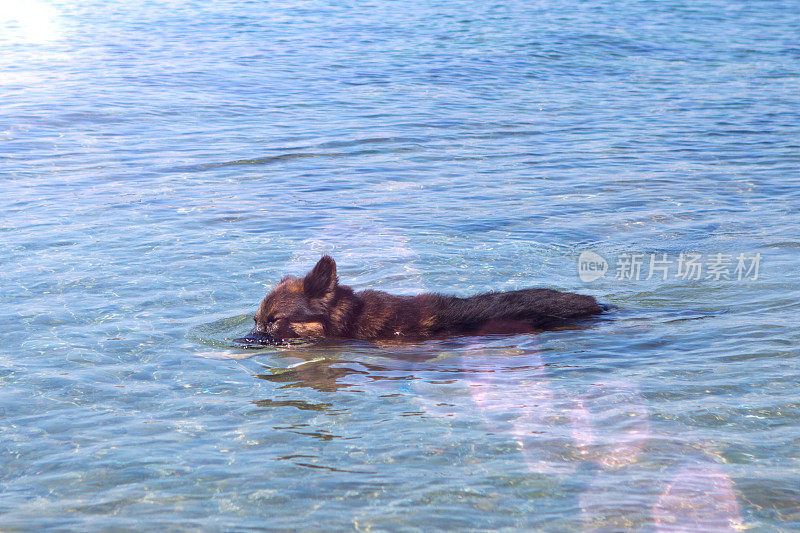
column 388, row 316
column 538, row 307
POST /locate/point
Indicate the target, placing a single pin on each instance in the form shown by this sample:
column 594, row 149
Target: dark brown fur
column 317, row 306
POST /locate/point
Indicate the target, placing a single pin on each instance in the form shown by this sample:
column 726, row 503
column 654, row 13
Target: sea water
column 163, row 164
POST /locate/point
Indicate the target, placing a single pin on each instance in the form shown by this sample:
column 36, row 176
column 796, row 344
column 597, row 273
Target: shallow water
column 164, row 163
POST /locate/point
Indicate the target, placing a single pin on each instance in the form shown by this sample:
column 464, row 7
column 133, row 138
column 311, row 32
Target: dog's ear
column 322, row 278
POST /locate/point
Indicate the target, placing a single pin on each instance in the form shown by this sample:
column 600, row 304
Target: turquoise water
column 164, row 163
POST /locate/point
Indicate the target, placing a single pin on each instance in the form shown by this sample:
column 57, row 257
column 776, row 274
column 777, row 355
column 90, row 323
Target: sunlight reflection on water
column 29, row 21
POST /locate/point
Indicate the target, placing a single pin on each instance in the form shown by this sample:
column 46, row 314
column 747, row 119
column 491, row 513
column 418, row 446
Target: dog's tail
column 538, row 306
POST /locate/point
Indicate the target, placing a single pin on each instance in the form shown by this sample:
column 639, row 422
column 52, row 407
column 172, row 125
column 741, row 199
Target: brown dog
column 316, row 306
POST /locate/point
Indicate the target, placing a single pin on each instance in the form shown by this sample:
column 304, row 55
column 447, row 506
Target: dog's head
column 297, row 307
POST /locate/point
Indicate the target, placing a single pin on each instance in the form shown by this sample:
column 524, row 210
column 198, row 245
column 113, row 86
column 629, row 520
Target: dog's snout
column 266, row 328
column 260, row 331
column 257, row 336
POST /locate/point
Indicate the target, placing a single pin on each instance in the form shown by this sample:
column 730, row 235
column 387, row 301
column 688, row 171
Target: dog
column 317, row 306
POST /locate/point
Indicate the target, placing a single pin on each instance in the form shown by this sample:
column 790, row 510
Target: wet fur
column 316, row 306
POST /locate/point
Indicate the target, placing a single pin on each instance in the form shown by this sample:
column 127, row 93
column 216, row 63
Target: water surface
column 164, row 163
